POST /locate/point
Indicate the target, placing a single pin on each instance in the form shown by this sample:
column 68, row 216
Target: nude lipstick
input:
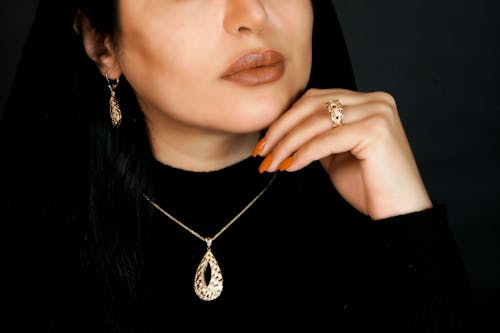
column 256, row 68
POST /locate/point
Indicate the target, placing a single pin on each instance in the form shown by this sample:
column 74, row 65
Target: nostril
column 243, row 29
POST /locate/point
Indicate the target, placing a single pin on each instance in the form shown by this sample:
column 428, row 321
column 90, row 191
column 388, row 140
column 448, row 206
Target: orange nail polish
column 258, row 148
column 286, row 164
column 266, row 163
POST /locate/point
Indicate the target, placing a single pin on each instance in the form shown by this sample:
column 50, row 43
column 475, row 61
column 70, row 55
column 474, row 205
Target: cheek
column 160, row 67
column 159, row 49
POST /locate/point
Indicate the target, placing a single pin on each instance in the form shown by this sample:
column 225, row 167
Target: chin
column 252, row 119
column 255, row 110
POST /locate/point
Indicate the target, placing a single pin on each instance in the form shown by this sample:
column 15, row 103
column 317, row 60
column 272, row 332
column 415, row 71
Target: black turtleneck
column 300, row 258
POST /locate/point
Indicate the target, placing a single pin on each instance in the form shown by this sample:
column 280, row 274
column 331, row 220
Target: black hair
column 66, row 162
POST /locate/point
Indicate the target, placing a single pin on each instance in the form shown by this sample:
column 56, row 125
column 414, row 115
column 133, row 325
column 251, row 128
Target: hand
column 368, row 158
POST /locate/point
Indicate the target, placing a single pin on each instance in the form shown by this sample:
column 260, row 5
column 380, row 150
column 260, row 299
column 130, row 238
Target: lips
column 256, row 68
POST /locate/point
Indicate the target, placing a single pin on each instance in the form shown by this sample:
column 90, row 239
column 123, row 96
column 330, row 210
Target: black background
column 440, row 59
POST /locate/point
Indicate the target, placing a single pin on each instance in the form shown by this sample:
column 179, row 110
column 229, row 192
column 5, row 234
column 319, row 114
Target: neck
column 197, row 149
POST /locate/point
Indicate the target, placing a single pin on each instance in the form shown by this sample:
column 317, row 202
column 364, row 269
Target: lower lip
column 259, row 75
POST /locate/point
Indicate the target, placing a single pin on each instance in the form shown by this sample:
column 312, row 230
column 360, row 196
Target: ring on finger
column 336, row 112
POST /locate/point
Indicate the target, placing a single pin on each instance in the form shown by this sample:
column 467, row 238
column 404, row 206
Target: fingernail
column 266, row 163
column 258, row 148
column 286, row 164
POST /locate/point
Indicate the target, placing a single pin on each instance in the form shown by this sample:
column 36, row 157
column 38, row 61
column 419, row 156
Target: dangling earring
column 114, row 108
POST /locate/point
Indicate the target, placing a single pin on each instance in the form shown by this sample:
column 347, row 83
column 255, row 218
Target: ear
column 98, row 46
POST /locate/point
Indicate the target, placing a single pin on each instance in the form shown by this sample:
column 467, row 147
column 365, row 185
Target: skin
column 174, row 52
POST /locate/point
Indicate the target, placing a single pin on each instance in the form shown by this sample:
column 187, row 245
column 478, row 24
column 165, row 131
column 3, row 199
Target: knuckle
column 386, row 98
column 311, row 92
column 385, row 104
column 382, row 107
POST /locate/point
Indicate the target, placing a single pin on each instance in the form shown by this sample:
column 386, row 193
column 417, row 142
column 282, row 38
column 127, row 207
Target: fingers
column 313, row 101
column 306, row 132
column 353, row 137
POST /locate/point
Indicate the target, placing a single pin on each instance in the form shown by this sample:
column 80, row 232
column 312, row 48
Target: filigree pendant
column 214, row 288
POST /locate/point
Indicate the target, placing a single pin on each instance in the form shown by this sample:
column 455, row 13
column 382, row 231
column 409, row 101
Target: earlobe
column 98, row 46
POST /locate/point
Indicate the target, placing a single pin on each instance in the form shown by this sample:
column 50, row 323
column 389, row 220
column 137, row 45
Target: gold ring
column 336, row 112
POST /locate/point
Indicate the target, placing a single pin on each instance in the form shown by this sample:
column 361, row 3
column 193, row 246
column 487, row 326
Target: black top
column 300, row 257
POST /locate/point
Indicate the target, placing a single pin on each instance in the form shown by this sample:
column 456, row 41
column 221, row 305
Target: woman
column 236, row 179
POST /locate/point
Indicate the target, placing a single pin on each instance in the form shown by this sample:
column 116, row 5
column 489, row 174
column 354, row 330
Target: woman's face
column 229, row 65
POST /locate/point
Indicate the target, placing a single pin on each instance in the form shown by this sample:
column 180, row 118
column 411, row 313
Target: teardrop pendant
column 114, row 110
column 214, row 288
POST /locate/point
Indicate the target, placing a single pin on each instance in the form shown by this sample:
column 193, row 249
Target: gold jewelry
column 336, row 112
column 214, row 288
column 114, row 108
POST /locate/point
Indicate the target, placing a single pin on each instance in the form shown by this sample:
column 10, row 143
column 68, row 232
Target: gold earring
column 114, row 108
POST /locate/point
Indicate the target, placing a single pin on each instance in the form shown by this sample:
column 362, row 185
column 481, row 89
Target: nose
column 244, row 16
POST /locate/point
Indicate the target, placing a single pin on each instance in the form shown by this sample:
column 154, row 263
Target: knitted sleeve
column 429, row 286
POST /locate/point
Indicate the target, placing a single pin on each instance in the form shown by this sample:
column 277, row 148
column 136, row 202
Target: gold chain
column 213, row 289
column 197, row 235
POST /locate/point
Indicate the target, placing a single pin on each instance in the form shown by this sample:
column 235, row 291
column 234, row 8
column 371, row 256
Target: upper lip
column 253, row 60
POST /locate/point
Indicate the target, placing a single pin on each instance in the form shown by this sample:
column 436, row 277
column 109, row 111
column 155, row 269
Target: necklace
column 212, row 290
